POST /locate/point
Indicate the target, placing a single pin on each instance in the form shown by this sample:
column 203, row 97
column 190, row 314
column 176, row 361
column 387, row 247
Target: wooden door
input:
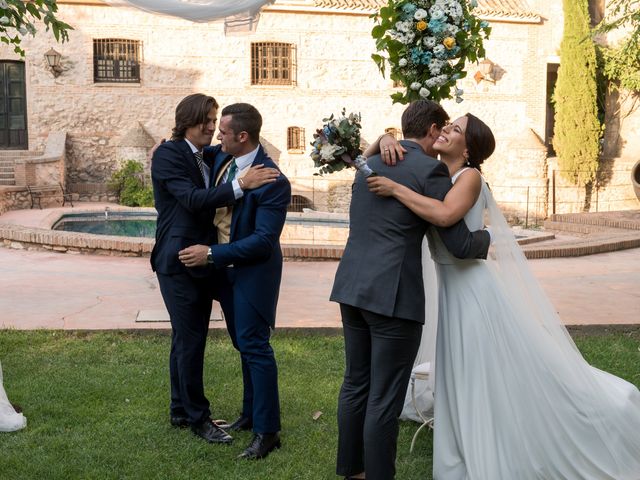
column 13, row 106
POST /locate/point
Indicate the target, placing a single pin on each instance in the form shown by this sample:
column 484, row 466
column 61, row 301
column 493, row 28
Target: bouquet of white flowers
column 427, row 43
column 337, row 145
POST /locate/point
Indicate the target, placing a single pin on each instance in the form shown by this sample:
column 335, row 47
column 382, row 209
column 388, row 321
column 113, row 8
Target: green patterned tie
column 233, row 169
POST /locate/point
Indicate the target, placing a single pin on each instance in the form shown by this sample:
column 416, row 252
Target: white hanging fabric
column 197, row 10
column 10, row 420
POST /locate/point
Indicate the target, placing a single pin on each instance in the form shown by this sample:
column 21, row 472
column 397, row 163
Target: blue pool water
column 141, row 224
column 119, row 224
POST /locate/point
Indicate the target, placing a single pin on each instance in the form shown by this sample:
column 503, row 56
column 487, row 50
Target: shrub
column 131, row 185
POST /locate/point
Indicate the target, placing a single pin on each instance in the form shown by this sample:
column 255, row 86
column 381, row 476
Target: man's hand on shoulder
column 194, row 256
column 257, row 176
column 154, row 148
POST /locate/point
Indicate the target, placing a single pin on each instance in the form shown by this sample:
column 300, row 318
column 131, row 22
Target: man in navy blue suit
column 249, row 257
column 186, row 208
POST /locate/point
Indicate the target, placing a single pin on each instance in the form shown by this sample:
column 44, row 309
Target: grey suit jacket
column 381, row 268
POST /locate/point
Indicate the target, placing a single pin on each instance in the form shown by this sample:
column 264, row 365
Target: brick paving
column 47, row 289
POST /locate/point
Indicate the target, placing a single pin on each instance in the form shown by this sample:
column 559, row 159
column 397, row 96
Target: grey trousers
column 380, row 352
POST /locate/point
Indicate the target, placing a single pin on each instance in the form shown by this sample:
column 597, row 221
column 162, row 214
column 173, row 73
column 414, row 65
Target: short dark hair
column 191, row 111
column 419, row 116
column 244, row 118
column 479, row 139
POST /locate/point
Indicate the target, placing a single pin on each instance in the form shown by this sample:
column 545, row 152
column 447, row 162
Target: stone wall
column 333, row 71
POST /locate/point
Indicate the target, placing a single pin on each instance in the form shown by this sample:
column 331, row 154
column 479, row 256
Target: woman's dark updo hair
column 480, row 141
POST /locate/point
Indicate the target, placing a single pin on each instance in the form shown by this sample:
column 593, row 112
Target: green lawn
column 96, row 405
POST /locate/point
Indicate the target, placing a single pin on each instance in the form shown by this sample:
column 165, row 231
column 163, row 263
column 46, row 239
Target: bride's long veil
column 427, row 350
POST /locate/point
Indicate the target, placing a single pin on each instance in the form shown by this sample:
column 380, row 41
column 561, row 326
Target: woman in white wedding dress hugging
column 514, row 398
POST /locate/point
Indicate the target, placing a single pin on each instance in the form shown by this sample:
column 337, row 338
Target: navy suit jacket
column 254, row 243
column 185, row 208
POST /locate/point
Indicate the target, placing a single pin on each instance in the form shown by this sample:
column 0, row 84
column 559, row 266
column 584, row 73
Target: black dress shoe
column 241, row 423
column 261, row 445
column 211, row 432
column 179, row 421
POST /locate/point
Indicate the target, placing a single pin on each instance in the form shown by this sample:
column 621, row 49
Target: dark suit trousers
column 250, row 335
column 188, row 300
column 380, row 352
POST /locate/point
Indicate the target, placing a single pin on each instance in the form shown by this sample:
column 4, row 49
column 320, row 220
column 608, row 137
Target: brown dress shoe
column 211, row 432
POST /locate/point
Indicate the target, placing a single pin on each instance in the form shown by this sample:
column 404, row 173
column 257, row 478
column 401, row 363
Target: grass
column 97, row 407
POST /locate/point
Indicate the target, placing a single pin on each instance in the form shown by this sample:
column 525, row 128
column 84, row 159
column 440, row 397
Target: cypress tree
column 577, row 130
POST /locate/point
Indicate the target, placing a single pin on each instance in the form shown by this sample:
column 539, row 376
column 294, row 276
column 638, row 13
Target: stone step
column 629, row 219
column 18, row 153
column 578, row 228
column 6, row 168
column 7, row 182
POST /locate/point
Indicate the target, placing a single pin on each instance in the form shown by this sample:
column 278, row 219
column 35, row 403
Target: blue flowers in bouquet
column 427, row 43
column 337, row 144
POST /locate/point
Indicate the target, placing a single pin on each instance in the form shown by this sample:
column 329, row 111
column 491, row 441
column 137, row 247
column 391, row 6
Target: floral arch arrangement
column 427, row 43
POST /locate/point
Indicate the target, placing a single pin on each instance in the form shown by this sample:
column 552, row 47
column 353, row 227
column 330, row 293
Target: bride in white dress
column 10, row 420
column 514, row 398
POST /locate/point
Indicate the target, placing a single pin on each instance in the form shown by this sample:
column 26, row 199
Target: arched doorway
column 13, row 106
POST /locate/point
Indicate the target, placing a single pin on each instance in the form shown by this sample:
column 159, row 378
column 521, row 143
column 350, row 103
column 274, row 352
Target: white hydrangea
column 431, row 82
column 439, row 51
column 452, row 29
column 429, row 42
column 404, row 26
column 424, row 93
column 402, row 62
column 436, row 12
column 328, row 151
column 415, row 86
column 435, row 66
column 420, row 14
column 442, row 79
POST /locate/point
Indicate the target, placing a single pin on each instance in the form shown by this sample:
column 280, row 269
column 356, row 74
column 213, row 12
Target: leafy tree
column 577, row 129
column 622, row 63
column 18, row 18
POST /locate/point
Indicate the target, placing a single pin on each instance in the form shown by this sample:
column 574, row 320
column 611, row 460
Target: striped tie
column 200, row 163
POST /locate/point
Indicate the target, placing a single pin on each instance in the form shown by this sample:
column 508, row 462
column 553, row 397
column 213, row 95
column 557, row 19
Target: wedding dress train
column 10, row 420
column 514, row 398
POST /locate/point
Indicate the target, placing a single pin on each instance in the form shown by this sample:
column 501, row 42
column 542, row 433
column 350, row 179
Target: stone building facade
column 331, row 69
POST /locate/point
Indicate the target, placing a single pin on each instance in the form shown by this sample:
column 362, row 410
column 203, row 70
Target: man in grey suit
column 379, row 286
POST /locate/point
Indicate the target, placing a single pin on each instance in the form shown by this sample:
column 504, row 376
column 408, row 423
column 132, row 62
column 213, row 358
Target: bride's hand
column 381, row 186
column 390, row 149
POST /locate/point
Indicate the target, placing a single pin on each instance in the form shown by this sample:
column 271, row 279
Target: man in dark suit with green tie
column 186, row 203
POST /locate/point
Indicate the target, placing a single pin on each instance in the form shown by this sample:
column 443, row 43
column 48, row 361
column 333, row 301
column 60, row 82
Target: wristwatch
column 209, row 256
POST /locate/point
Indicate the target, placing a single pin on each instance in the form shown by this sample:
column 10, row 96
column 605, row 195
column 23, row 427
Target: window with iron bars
column 116, row 60
column 295, row 140
column 396, row 132
column 273, row 63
